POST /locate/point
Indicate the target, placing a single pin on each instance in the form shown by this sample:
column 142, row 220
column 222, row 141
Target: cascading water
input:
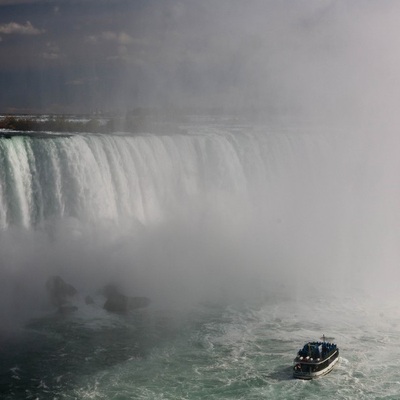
column 115, row 177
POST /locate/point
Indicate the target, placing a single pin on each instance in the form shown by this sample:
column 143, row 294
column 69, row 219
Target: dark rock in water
column 109, row 290
column 118, row 302
column 89, row 300
column 59, row 291
column 138, row 302
column 66, row 309
column 121, row 303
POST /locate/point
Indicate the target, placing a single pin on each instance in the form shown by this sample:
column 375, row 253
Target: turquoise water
column 211, row 351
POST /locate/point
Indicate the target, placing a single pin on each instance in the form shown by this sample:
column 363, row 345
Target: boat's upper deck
column 315, row 351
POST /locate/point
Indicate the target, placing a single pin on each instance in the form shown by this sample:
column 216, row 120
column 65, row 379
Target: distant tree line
column 53, row 124
column 65, row 124
column 137, row 120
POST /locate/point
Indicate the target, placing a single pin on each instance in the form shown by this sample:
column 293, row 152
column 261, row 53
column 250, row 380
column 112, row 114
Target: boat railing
column 310, row 360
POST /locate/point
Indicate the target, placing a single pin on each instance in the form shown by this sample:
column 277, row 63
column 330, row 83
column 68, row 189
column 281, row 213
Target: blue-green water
column 211, row 352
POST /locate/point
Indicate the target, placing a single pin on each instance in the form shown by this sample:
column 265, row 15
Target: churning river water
column 212, row 352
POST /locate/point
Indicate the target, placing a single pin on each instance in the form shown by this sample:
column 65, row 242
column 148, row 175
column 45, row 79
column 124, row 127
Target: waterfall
column 147, row 178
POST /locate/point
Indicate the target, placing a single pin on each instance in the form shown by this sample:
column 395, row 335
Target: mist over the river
column 302, row 198
column 214, row 215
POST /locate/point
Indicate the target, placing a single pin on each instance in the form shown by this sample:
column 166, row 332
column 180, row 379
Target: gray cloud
column 121, row 38
column 52, row 52
column 15, row 28
column 316, row 57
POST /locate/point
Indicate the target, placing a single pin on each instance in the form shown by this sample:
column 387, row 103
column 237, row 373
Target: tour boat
column 315, row 359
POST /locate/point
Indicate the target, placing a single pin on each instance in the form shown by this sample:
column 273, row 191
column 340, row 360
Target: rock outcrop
column 89, row 300
column 63, row 296
column 59, row 291
column 120, row 303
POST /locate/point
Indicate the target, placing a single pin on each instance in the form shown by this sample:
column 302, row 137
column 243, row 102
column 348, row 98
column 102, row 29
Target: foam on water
column 213, row 351
column 235, row 353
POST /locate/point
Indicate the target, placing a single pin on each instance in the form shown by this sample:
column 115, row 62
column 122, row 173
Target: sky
column 313, row 57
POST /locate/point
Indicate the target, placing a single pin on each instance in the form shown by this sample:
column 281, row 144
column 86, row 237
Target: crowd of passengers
column 316, row 349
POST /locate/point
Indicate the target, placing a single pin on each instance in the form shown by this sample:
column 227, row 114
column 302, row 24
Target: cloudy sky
column 328, row 56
